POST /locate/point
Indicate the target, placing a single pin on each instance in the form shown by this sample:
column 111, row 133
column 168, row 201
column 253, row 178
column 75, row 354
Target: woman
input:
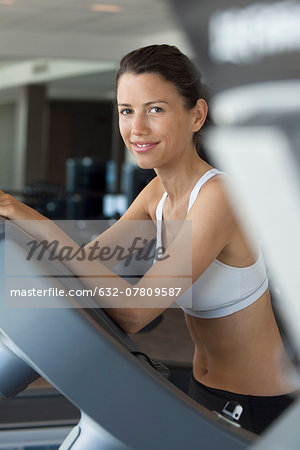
column 239, row 354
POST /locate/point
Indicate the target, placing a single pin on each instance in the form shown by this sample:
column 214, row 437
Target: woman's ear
column 200, row 113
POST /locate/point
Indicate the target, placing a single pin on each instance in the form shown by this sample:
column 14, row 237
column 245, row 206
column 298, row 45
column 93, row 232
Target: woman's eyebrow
column 154, row 101
column 145, row 104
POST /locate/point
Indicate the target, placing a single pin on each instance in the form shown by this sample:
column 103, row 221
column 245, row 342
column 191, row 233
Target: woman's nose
column 140, row 125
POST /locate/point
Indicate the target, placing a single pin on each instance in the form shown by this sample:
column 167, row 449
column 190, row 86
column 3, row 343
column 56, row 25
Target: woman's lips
column 143, row 147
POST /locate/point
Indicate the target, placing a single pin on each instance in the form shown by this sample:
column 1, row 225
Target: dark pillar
column 36, row 133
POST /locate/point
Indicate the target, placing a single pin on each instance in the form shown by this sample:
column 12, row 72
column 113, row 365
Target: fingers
column 7, row 204
column 6, row 210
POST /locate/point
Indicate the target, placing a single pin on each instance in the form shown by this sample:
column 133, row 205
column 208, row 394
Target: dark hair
column 169, row 62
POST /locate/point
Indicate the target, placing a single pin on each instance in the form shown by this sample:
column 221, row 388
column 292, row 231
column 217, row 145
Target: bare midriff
column 242, row 352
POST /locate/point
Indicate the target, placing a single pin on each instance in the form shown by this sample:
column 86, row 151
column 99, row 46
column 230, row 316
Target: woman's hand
column 13, row 209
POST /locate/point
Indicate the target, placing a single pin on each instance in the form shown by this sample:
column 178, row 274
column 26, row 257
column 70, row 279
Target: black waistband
column 253, row 399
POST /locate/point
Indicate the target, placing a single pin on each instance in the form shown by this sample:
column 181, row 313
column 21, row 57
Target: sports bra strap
column 207, row 176
column 159, row 208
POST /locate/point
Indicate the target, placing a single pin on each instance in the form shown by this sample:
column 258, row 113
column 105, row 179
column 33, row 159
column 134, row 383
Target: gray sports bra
column 221, row 289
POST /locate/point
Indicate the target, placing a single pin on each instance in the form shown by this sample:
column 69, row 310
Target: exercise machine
column 124, row 397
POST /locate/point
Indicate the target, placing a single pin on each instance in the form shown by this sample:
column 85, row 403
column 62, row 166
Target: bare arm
column 120, row 234
column 211, row 219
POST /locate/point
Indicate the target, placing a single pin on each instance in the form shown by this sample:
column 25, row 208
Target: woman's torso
column 240, row 352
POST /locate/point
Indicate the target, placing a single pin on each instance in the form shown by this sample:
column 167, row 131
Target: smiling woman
column 170, row 66
column 156, row 125
column 239, row 355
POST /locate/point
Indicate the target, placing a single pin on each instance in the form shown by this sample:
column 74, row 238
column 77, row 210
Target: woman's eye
column 156, row 109
column 125, row 112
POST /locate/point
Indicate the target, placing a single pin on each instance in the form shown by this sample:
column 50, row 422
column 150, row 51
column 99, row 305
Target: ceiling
column 81, row 30
column 85, row 17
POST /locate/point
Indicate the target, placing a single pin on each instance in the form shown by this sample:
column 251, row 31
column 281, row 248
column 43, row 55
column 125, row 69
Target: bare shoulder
column 143, row 207
column 214, row 196
column 152, row 194
column 215, row 220
column 212, row 214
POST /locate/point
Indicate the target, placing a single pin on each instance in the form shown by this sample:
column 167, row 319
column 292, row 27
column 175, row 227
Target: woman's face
column 154, row 124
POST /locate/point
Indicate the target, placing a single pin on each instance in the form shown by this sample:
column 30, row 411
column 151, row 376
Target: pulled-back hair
column 170, row 63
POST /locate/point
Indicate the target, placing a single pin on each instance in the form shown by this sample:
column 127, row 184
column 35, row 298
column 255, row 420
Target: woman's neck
column 178, row 179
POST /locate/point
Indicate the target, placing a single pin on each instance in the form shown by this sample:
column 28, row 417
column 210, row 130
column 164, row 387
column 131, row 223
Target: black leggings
column 258, row 412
